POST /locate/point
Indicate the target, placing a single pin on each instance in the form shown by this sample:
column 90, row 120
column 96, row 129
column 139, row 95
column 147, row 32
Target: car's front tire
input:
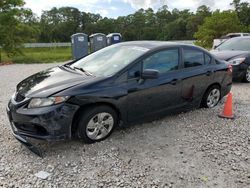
column 96, row 123
column 212, row 97
column 247, row 75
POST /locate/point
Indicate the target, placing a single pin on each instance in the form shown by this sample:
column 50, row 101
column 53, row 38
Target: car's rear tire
column 212, row 97
column 96, row 123
column 247, row 75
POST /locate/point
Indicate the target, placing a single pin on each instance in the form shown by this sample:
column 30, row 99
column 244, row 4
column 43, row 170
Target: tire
column 212, row 97
column 247, row 75
column 96, row 124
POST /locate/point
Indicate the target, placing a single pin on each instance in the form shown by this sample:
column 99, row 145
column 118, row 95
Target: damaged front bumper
column 28, row 144
column 52, row 123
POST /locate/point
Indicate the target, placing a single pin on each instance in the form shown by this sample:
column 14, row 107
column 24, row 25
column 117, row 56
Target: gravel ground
column 194, row 149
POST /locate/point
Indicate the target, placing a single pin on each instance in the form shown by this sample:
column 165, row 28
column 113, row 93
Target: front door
column 151, row 96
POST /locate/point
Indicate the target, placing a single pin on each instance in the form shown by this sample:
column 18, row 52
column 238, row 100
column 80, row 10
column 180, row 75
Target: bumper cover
column 28, row 144
column 50, row 123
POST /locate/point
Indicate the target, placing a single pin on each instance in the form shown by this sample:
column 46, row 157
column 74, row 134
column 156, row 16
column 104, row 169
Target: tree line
column 19, row 24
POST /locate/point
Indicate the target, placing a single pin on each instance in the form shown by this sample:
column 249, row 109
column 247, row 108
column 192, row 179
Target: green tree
column 175, row 30
column 13, row 31
column 60, row 24
column 243, row 11
column 195, row 20
column 220, row 23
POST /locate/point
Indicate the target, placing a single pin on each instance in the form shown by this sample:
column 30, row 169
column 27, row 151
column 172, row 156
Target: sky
column 115, row 8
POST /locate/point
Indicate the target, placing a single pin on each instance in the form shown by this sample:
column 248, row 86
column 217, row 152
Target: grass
column 40, row 55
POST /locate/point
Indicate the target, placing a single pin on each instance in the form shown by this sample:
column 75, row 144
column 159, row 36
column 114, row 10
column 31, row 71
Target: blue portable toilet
column 79, row 45
column 114, row 38
column 97, row 41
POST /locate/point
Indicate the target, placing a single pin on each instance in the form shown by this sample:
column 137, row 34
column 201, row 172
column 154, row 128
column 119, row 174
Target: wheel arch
column 211, row 85
column 84, row 107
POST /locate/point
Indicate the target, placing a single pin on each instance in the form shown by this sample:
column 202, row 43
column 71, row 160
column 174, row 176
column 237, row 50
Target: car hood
column 51, row 81
column 228, row 54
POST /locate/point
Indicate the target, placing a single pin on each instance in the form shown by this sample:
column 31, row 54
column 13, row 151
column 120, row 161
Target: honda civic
column 119, row 85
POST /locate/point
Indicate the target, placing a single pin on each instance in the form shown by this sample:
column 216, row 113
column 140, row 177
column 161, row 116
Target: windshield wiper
column 81, row 69
column 68, row 66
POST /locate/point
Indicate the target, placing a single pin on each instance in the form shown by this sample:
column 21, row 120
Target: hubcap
column 100, row 126
column 248, row 74
column 213, row 98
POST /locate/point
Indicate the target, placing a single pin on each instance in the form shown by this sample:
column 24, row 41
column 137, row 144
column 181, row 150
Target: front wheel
column 212, row 97
column 96, row 124
column 247, row 75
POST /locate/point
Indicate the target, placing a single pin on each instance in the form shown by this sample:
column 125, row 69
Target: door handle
column 175, row 81
column 209, row 73
column 132, row 90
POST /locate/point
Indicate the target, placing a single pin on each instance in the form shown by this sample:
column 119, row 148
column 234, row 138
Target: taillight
column 230, row 69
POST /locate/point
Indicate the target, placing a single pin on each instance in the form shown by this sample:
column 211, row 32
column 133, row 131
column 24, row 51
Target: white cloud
column 107, row 7
column 180, row 4
column 85, row 5
column 102, row 12
column 137, row 4
column 113, row 8
column 193, row 4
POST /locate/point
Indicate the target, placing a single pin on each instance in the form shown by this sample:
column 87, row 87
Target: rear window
column 193, row 58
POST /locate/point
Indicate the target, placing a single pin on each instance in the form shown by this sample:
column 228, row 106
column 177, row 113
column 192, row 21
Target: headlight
column 237, row 61
column 41, row 102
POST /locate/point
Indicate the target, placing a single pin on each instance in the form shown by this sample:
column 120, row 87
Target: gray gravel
column 194, row 149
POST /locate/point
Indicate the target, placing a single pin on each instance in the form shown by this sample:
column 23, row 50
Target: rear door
column 146, row 97
column 198, row 74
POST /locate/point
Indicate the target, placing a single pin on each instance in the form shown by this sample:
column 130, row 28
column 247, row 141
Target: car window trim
column 146, row 55
column 196, row 49
column 135, row 78
column 165, row 49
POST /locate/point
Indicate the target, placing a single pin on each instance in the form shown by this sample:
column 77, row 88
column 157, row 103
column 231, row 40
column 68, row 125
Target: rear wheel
column 247, row 76
column 212, row 97
column 96, row 124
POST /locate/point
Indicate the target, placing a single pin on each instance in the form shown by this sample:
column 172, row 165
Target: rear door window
column 193, row 58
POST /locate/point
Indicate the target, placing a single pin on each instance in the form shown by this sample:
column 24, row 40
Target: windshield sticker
column 140, row 48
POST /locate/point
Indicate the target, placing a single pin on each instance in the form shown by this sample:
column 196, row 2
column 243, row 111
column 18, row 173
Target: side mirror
column 150, row 74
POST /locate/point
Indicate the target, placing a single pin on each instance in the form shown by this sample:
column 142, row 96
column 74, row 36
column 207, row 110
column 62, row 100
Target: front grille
column 32, row 129
column 19, row 97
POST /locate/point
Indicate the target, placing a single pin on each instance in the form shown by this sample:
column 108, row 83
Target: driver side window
column 135, row 71
column 163, row 61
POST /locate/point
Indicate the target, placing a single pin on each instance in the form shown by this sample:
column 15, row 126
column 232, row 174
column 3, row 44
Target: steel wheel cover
column 213, row 98
column 248, row 74
column 99, row 126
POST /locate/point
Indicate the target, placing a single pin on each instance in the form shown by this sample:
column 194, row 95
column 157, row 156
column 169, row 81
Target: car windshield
column 110, row 60
column 241, row 44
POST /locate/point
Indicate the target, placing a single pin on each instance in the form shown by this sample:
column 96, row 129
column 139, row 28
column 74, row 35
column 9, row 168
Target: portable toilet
column 79, row 45
column 114, row 38
column 97, row 41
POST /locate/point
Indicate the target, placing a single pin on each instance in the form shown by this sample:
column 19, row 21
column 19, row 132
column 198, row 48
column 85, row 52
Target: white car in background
column 217, row 42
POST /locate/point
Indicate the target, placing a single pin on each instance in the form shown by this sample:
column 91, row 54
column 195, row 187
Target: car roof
column 154, row 44
column 236, row 33
column 241, row 37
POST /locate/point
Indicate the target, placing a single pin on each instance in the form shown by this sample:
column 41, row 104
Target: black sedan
column 118, row 85
column 237, row 52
